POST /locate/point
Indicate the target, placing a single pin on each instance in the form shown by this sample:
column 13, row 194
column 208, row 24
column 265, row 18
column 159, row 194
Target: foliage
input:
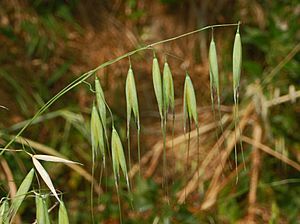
column 37, row 60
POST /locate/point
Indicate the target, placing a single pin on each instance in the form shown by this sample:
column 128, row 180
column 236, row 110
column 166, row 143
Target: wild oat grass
column 118, row 157
column 101, row 106
column 97, row 136
column 213, row 69
column 157, row 84
column 132, row 105
column 168, row 89
column 164, row 93
column 189, row 102
column 236, row 73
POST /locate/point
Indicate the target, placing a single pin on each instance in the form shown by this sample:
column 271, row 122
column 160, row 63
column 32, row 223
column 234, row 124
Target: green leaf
column 22, row 192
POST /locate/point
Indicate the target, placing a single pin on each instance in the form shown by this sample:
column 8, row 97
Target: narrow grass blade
column 21, row 193
column 157, row 85
column 4, row 212
column 42, row 215
column 62, row 214
column 45, row 176
column 54, row 159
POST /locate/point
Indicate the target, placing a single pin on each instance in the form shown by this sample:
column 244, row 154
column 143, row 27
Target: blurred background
column 47, row 44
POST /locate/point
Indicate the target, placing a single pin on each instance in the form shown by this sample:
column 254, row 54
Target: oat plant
column 132, row 105
column 164, row 93
column 190, row 115
column 236, row 73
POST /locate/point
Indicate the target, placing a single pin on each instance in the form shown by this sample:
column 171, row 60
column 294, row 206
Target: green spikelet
column 97, row 136
column 168, row 89
column 236, row 64
column 132, row 105
column 118, row 157
column 157, row 85
column 189, row 102
column 131, row 100
column 213, row 67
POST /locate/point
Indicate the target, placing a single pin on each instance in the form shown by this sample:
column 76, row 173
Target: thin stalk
column 107, row 143
column 240, row 133
column 164, row 156
column 128, row 146
column 92, row 188
column 235, row 138
column 119, row 202
column 221, row 124
column 189, row 143
column 100, row 181
column 188, row 152
column 162, row 124
column 173, row 132
column 139, row 147
column 212, row 96
column 220, row 115
column 198, row 152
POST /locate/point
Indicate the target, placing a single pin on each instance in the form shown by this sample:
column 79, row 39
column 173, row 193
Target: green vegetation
column 181, row 163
